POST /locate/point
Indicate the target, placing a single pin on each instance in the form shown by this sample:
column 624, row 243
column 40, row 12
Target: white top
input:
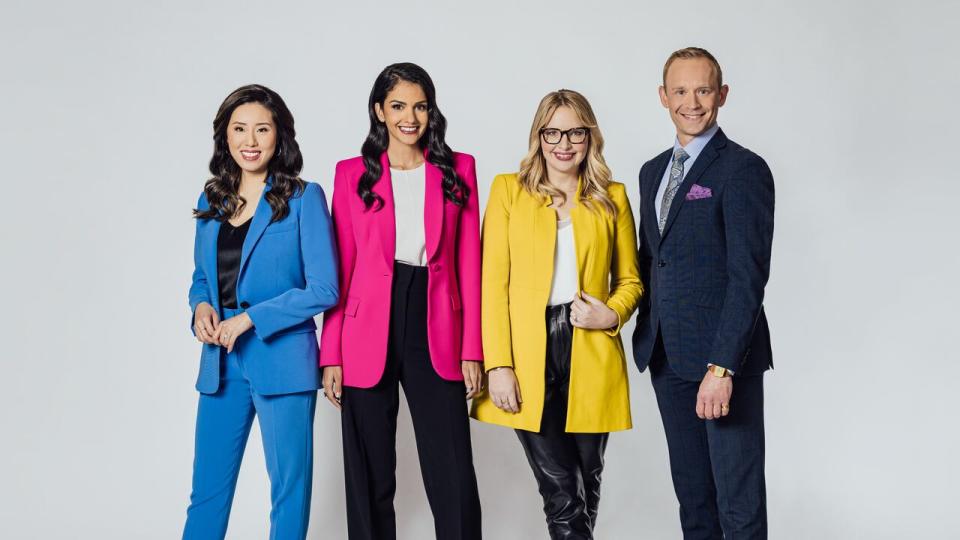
column 408, row 194
column 564, row 286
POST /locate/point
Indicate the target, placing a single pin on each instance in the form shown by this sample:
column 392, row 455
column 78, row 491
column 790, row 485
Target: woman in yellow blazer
column 560, row 279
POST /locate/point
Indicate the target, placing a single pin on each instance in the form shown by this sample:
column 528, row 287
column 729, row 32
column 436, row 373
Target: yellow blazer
column 519, row 239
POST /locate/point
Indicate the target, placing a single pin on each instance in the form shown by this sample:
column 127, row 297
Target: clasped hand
column 211, row 330
column 590, row 313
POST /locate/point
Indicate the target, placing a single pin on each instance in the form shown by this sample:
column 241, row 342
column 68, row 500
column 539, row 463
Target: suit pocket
column 353, row 303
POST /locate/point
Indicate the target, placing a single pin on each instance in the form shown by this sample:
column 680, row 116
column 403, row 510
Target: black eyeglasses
column 574, row 135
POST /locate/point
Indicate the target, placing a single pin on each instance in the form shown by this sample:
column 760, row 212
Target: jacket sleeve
column 330, row 337
column 468, row 264
column 199, row 287
column 748, row 201
column 497, row 340
column 625, row 286
column 319, row 267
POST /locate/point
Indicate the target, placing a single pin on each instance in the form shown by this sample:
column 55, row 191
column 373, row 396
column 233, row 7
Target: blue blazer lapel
column 704, row 160
column 261, row 218
column 210, row 234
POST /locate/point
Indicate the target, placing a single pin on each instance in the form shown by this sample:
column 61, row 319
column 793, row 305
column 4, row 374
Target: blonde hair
column 693, row 52
column 594, row 173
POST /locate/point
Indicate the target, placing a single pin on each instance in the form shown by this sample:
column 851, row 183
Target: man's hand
column 713, row 399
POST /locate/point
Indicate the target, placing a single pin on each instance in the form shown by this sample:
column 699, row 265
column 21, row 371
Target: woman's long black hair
column 433, row 139
column 222, row 189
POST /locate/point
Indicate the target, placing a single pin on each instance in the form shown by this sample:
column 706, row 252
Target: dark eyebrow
column 397, row 101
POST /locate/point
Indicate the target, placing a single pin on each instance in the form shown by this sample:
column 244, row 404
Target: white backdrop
column 106, row 126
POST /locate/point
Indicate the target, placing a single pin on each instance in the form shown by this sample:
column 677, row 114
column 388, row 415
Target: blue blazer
column 288, row 274
column 706, row 273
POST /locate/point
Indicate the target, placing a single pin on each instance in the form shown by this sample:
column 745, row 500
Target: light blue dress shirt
column 693, row 149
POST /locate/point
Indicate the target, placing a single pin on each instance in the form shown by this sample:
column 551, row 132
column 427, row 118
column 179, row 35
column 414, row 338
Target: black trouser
column 567, row 466
column 440, row 424
column 716, row 465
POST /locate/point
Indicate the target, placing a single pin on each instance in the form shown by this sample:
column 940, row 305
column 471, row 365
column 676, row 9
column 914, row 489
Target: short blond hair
column 693, row 52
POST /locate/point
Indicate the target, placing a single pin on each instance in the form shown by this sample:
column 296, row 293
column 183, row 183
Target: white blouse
column 408, row 194
column 564, row 286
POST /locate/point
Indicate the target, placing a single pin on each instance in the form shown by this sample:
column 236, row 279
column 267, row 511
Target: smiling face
column 252, row 137
column 692, row 94
column 564, row 157
column 405, row 112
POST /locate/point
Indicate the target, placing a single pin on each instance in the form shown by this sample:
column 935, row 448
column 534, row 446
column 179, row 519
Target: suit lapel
column 210, row 235
column 648, row 197
column 545, row 237
column 704, row 160
column 261, row 218
column 434, row 211
column 386, row 216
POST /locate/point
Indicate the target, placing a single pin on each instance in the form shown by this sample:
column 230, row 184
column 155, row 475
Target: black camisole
column 229, row 246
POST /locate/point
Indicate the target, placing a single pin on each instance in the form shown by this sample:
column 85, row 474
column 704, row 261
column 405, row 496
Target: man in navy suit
column 706, row 230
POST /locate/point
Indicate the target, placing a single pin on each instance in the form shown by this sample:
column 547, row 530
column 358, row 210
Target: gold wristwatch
column 719, row 371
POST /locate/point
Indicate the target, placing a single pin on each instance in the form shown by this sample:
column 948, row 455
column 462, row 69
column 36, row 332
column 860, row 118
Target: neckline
column 406, row 171
column 246, row 222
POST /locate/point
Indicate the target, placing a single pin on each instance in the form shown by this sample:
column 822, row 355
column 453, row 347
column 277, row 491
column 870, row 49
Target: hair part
column 688, row 53
column 594, row 173
column 223, row 189
column 433, row 140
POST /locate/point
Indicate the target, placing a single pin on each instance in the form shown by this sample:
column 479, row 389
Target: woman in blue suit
column 265, row 265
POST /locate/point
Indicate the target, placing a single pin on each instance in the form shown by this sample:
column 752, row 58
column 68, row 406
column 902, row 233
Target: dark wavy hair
column 222, row 189
column 433, row 139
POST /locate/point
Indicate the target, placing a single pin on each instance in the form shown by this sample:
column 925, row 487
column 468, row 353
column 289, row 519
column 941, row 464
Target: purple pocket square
column 699, row 192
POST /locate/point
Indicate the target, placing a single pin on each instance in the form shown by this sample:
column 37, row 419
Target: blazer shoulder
column 352, row 165
column 617, row 191
column 742, row 157
column 202, row 202
column 312, row 190
column 654, row 160
column 507, row 183
column 463, row 159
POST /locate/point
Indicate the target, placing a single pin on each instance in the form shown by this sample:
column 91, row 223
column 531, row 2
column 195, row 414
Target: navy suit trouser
column 717, row 465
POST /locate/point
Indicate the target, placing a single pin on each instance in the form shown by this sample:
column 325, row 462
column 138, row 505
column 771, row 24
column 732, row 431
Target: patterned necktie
column 676, row 176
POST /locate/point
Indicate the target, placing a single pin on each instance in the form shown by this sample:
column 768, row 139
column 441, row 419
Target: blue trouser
column 223, row 424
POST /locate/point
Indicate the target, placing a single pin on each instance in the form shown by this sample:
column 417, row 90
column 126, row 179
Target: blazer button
column 244, row 305
column 661, row 264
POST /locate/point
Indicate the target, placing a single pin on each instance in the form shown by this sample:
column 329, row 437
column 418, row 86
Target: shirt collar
column 695, row 146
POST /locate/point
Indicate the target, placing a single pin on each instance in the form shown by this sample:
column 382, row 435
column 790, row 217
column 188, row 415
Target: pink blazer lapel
column 433, row 209
column 386, row 216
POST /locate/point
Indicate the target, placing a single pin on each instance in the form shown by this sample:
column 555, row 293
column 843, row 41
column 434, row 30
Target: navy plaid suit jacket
column 705, row 275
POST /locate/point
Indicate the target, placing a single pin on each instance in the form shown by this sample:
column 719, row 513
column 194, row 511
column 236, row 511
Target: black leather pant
column 567, row 466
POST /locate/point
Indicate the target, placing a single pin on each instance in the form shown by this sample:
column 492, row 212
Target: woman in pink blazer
column 407, row 223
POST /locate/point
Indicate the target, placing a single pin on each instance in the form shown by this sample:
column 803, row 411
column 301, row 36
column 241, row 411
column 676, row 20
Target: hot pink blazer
column 355, row 330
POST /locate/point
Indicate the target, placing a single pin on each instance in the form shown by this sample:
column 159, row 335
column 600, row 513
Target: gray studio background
column 106, row 131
